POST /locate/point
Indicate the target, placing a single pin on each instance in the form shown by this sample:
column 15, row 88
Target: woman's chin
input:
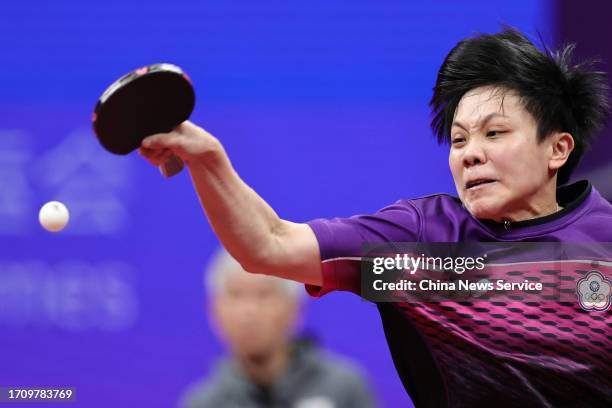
column 482, row 211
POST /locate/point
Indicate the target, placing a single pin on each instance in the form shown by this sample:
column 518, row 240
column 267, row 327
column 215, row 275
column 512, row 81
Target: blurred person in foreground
column 256, row 316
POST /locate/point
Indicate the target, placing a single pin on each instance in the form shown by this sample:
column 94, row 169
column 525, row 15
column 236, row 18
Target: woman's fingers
column 155, row 156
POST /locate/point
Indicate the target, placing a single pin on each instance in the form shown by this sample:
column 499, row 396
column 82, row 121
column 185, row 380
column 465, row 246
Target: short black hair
column 560, row 96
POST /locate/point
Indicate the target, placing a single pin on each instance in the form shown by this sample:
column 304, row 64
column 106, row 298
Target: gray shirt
column 313, row 380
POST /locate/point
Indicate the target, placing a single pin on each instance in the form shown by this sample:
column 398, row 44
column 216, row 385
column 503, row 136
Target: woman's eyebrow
column 482, row 123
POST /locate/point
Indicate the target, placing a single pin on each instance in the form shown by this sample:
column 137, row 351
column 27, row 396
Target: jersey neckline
column 570, row 197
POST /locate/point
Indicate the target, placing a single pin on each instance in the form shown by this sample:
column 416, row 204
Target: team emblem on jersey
column 594, row 292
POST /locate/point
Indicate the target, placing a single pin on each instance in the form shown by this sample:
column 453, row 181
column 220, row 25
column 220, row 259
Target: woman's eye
column 457, row 140
column 494, row 133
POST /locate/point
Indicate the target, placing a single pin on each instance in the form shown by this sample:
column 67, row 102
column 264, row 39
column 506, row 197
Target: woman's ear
column 561, row 147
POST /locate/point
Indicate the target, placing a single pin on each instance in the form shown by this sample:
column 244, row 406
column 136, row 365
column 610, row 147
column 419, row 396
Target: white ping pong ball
column 53, row 216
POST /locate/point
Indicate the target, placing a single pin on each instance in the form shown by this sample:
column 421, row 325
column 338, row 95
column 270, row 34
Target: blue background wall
column 322, row 107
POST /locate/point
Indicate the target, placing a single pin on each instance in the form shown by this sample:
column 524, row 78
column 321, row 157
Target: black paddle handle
column 171, row 167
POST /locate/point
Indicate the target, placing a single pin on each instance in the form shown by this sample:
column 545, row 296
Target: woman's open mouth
column 478, row 183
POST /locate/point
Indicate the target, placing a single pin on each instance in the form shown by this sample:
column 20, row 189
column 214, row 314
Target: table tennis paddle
column 149, row 100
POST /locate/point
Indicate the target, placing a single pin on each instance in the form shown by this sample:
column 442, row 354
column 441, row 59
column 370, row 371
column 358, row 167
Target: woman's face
column 500, row 170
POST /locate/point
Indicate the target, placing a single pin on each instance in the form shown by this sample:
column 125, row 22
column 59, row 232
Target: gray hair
column 222, row 264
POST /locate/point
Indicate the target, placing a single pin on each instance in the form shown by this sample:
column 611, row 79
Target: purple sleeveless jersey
column 476, row 353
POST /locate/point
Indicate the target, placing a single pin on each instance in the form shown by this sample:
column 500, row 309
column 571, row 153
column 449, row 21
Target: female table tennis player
column 518, row 121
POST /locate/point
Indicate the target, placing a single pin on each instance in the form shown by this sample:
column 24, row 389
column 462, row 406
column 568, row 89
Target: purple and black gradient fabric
column 471, row 352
